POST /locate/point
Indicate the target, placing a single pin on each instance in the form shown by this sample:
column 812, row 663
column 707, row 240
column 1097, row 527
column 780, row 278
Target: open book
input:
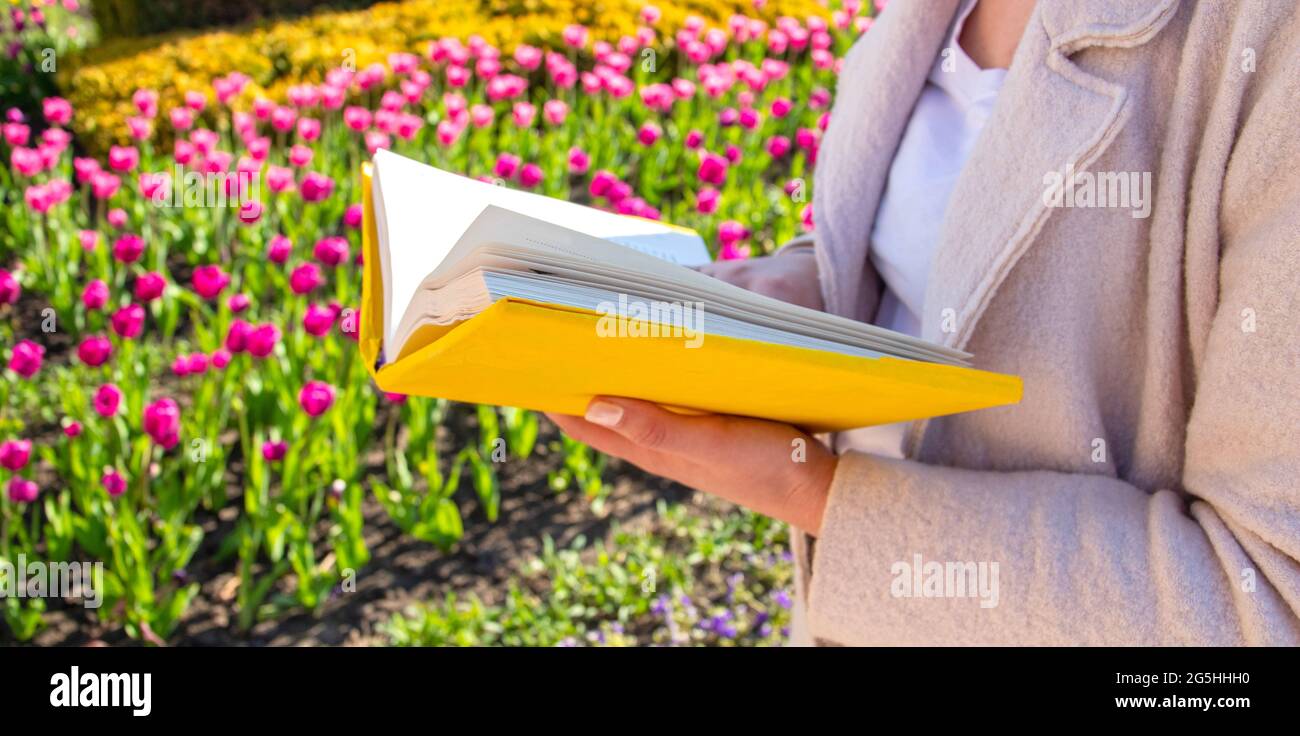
column 481, row 293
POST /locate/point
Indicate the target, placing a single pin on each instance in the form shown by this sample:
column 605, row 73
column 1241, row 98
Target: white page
column 426, row 210
column 497, row 232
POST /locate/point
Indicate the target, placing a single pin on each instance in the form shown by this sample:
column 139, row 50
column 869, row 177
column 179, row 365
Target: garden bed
column 199, row 418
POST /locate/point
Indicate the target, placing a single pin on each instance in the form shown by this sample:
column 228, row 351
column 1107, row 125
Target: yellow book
column 478, row 293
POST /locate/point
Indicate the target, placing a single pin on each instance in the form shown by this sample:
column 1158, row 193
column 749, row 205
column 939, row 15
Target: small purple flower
column 782, row 599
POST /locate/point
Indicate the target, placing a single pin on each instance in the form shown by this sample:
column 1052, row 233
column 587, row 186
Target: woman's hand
column 790, row 277
column 771, row 468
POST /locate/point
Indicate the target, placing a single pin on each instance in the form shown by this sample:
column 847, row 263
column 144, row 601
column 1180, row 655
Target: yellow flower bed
column 275, row 55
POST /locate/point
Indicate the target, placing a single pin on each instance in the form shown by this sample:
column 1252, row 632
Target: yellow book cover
column 548, row 356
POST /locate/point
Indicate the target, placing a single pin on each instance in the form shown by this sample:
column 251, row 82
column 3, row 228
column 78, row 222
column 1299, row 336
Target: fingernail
column 604, row 413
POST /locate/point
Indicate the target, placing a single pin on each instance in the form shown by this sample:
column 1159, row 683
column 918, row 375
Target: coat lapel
column 882, row 77
column 1050, row 115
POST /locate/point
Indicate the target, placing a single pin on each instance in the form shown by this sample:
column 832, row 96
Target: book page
column 428, row 209
column 501, row 238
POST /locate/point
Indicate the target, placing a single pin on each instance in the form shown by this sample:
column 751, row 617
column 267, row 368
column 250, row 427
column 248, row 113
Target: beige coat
column 1147, row 488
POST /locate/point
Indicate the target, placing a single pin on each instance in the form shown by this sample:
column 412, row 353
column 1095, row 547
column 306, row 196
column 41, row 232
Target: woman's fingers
column 647, row 425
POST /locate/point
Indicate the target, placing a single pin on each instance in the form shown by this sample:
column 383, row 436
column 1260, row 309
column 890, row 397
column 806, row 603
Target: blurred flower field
column 182, row 398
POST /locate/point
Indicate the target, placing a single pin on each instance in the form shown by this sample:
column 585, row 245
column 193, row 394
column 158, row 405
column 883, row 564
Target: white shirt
column 956, row 101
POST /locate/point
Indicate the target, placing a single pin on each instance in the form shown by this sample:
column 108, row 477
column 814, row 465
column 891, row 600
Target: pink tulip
column 94, row 350
column 128, row 248
column 181, row 118
column 195, row 101
column 357, row 118
column 555, row 111
column 305, row 278
column 648, row 134
column 128, row 321
column 481, row 116
column 259, row 147
column 146, row 102
column 524, row 114
column 209, row 281
column 149, row 286
column 376, row 140
column 162, row 422
column 316, row 187
column 308, row 129
column 331, row 251
column 22, row 490
column 196, row 364
column 778, row 146
column 712, row 169
column 113, row 483
column 352, row 216
column 732, row 252
column 303, row 95
column 448, row 132
column 262, row 340
column 57, row 110
column 107, row 400
column 706, row 202
column 530, row 175
column 731, row 232
column 16, row 134
column 237, row 303
column 26, row 358
column 658, row 97
column 457, row 76
column 274, row 451
column 39, row 198
column 237, row 336
column 140, row 129
column 316, row 397
column 123, row 158
column 279, row 179
column 575, row 36
column 278, row 249
column 220, row 358
column 26, row 161
column 95, row 295
column 14, row 454
column 408, row 125
column 72, row 430
column 318, row 320
column 10, row 289
column 300, row 155
column 506, row 166
column 89, row 239
column 283, row 118
column 528, row 57
column 579, row 161
column 601, row 183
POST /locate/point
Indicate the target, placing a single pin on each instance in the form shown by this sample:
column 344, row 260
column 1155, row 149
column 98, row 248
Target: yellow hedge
column 100, row 82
